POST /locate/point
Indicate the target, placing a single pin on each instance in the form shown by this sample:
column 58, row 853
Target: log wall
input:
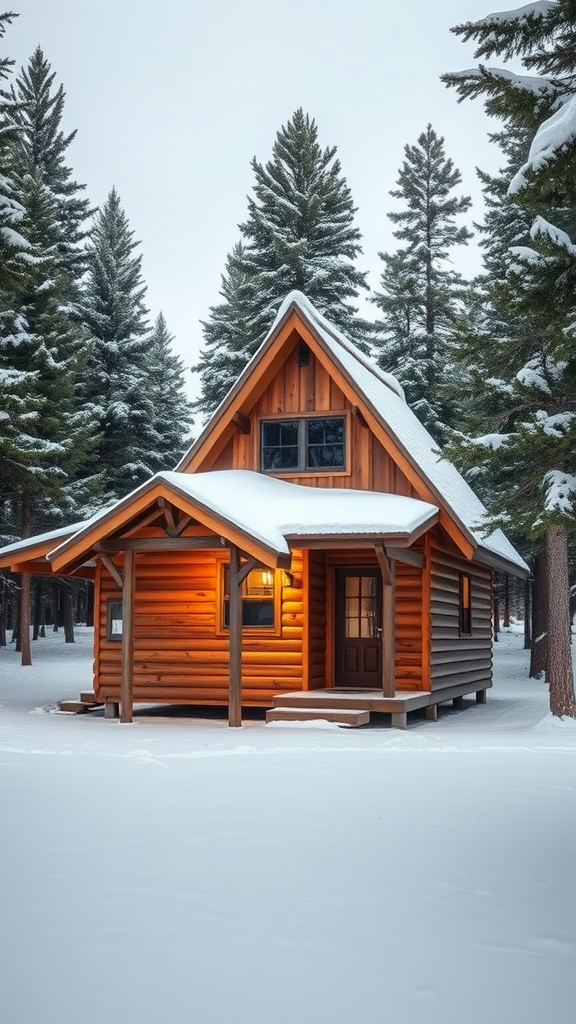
column 455, row 658
column 180, row 655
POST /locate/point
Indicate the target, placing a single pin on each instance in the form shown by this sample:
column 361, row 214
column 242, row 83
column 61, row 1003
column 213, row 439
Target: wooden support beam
column 156, row 544
column 128, row 596
column 182, row 524
column 480, row 696
column 388, row 613
column 242, row 422
column 407, row 556
column 112, row 569
column 458, row 702
column 431, row 712
column 399, row 720
column 168, row 511
column 250, row 564
column 235, row 640
column 358, row 415
column 111, row 709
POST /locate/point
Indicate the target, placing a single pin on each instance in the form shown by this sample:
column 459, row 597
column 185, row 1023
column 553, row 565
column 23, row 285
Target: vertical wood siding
column 454, row 658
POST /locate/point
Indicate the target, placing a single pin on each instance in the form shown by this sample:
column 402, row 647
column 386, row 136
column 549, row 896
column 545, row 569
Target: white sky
column 171, row 102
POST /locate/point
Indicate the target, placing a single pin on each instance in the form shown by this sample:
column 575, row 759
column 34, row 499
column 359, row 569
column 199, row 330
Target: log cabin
column 311, row 554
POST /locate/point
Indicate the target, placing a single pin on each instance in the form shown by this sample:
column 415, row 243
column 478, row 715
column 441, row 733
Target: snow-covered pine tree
column 172, row 410
column 421, row 294
column 533, row 439
column 36, row 109
column 115, row 386
column 299, row 234
column 229, row 333
column 14, row 248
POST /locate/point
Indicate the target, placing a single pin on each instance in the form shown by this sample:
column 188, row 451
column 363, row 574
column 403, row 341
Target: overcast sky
column 172, row 100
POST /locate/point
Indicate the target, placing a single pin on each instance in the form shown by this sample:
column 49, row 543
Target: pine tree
column 115, row 387
column 421, row 295
column 172, row 410
column 36, row 111
column 299, row 234
column 533, row 440
column 14, row 248
column 228, row 333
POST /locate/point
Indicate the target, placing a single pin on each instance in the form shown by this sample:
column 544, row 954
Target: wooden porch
column 308, row 705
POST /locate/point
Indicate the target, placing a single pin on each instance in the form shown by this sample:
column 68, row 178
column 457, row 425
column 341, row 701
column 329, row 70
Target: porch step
column 86, row 702
column 351, row 717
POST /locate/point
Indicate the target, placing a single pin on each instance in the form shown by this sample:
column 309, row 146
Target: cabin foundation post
column 128, row 595
column 388, row 609
column 480, row 696
column 400, row 720
column 111, row 709
column 432, row 712
column 458, row 703
column 235, row 641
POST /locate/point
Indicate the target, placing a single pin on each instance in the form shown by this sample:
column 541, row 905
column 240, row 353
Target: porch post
column 387, row 567
column 128, row 594
column 235, row 641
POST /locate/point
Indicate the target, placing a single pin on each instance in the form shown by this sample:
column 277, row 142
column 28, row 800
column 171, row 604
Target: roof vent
column 303, row 355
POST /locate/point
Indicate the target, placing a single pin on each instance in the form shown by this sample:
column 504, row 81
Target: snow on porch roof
column 269, row 510
column 272, row 510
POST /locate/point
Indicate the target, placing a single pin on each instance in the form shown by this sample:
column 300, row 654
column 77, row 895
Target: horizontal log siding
column 317, row 624
column 454, row 658
column 179, row 657
column 408, row 627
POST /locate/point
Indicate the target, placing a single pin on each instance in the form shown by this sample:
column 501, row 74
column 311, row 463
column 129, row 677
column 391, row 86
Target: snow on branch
column 538, row 9
column 542, row 227
column 528, row 83
column 560, row 491
column 554, row 134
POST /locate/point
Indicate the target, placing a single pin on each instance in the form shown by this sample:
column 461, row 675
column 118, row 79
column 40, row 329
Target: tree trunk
column 90, row 604
column 24, row 630
column 496, row 616
column 3, row 610
column 37, row 603
column 68, row 619
column 559, row 662
column 527, row 614
column 506, row 619
column 538, row 651
column 55, row 593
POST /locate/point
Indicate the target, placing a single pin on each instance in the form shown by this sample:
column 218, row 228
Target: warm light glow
column 267, row 578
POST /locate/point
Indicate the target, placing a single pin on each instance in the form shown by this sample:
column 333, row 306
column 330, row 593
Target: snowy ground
column 177, row 872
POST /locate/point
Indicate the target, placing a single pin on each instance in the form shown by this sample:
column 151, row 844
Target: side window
column 304, row 444
column 259, row 599
column 465, row 605
column 114, row 619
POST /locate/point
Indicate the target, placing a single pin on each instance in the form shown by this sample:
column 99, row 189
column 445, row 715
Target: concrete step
column 351, row 717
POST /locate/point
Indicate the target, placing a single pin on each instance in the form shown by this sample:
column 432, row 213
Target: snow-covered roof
column 272, row 511
column 387, row 402
column 41, row 539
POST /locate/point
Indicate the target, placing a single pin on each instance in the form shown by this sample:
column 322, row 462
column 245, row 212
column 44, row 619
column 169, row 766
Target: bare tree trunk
column 90, row 604
column 539, row 647
column 559, row 662
column 37, row 602
column 527, row 614
column 68, row 619
column 496, row 616
column 17, row 616
column 506, row 619
column 3, row 609
column 25, row 586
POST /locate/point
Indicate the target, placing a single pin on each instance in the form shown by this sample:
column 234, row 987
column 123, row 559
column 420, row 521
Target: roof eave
column 500, row 563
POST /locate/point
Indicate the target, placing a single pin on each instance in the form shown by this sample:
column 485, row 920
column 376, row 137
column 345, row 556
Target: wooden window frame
column 465, row 604
column 111, row 637
column 275, row 630
column 324, row 414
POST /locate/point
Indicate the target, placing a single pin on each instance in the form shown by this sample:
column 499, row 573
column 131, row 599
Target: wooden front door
column 358, row 622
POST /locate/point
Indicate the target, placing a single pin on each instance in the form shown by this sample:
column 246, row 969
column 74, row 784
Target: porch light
column 267, row 578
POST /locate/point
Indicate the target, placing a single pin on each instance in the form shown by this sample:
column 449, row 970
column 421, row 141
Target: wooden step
column 351, row 717
column 75, row 706
column 89, row 697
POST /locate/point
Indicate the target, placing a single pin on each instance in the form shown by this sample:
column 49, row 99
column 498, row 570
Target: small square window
column 114, row 620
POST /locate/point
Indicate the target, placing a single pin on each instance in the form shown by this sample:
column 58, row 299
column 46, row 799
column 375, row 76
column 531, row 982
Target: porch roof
column 268, row 513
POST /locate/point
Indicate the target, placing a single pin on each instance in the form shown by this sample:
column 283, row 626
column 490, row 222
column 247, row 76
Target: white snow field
column 175, row 871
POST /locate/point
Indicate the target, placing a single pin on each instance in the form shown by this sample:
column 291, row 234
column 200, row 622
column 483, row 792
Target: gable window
column 303, row 444
column 465, row 605
column 259, row 599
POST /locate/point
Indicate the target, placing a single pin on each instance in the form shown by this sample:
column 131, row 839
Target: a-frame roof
column 381, row 400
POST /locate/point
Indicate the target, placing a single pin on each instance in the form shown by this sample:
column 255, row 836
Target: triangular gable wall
column 276, row 382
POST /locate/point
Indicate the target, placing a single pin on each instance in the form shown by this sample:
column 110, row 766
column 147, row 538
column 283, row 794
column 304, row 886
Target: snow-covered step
column 351, row 717
column 85, row 703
